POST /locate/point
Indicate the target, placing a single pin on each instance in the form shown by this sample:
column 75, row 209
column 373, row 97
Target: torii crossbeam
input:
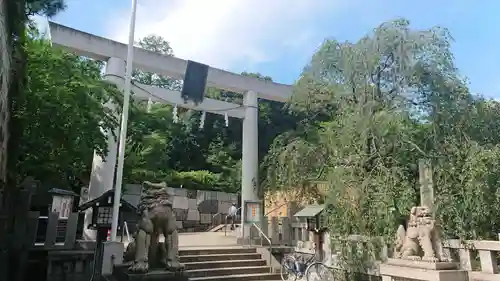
column 115, row 54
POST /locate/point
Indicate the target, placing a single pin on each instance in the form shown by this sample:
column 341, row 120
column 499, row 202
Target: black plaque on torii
column 195, row 82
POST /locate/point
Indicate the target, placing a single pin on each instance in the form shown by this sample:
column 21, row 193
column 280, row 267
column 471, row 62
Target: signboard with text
column 252, row 211
column 62, row 205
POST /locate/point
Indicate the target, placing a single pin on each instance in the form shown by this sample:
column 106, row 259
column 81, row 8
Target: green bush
column 200, row 180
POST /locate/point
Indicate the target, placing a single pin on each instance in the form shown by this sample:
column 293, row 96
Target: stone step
column 224, row 264
column 219, row 272
column 217, row 251
column 220, row 257
column 240, row 277
column 221, row 227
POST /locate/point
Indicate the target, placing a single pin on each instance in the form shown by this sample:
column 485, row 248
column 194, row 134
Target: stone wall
column 194, row 209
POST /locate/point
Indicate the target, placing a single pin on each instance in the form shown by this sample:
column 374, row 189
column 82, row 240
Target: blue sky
column 278, row 37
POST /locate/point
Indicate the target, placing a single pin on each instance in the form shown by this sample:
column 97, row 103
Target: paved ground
column 199, row 239
column 203, row 239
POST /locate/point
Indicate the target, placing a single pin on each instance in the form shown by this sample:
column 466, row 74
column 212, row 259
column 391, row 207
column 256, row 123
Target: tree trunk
column 5, row 75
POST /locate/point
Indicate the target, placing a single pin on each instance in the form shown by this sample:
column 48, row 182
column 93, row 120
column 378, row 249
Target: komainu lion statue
column 157, row 217
column 421, row 239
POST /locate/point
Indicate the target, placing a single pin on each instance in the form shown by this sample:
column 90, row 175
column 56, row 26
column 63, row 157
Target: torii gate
column 115, row 54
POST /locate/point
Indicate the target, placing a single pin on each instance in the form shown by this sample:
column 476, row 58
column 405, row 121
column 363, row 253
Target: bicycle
column 318, row 271
column 295, row 265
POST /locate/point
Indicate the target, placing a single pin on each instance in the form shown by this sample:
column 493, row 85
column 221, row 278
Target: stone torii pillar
column 250, row 155
column 103, row 169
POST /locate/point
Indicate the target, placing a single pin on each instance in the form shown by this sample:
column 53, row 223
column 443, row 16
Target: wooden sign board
column 252, row 211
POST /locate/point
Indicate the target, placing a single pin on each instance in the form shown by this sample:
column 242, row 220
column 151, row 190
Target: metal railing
column 212, row 223
column 225, row 224
column 270, row 249
column 225, row 221
column 125, row 228
column 261, row 233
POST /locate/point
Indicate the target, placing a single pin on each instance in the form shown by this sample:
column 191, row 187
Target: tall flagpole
column 124, row 121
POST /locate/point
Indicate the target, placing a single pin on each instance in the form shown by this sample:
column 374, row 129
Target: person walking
column 231, row 214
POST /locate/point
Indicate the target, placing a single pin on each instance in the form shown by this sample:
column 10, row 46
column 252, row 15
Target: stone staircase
column 226, row 264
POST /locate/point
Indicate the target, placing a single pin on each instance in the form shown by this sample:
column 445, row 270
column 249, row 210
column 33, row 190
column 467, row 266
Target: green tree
column 47, row 8
column 158, row 45
column 16, row 21
column 62, row 113
column 370, row 109
column 13, row 36
column 158, row 146
column 161, row 149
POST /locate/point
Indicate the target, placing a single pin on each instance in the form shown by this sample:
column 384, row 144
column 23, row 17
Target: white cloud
column 224, row 33
column 42, row 25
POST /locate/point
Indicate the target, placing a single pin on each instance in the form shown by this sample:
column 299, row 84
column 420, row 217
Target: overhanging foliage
column 373, row 108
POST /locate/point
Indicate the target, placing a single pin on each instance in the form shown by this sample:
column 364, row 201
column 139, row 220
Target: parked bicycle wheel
column 288, row 270
column 318, row 271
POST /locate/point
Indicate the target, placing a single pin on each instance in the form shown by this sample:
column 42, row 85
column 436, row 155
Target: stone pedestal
column 112, row 255
column 399, row 270
column 120, row 273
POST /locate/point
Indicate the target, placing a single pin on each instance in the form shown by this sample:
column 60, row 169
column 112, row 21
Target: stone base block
column 391, row 272
column 85, row 245
column 424, row 264
column 120, row 273
column 112, row 254
column 250, row 241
